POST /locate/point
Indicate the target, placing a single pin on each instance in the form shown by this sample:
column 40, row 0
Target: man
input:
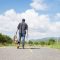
column 23, row 28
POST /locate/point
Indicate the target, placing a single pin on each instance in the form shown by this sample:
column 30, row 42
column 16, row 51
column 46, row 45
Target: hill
column 47, row 38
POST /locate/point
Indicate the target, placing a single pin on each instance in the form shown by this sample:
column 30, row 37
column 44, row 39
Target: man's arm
column 18, row 28
column 16, row 31
column 27, row 30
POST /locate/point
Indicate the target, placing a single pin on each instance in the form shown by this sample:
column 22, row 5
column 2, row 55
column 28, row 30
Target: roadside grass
column 57, row 46
column 34, row 44
column 7, row 41
column 15, row 45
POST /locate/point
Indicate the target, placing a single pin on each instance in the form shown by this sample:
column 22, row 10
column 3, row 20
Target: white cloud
column 38, row 5
column 57, row 17
column 7, row 22
column 39, row 25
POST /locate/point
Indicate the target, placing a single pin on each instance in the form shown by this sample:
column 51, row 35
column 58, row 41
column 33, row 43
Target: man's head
column 23, row 20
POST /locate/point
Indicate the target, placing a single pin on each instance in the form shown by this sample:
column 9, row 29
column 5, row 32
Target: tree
column 5, row 39
column 42, row 43
column 30, row 42
column 51, row 41
column 36, row 42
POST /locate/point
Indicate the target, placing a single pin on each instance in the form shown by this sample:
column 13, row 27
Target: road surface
column 29, row 54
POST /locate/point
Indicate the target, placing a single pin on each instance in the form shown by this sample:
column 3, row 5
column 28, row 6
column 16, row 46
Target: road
column 12, row 53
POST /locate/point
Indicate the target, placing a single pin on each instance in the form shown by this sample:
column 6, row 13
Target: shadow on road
column 29, row 48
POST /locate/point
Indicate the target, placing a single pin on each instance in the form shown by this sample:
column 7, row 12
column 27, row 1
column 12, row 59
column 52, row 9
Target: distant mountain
column 55, row 38
column 47, row 38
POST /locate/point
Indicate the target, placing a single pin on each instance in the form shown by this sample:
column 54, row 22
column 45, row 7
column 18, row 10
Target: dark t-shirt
column 22, row 27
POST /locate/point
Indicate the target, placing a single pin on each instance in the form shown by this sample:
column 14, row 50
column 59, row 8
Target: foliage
column 30, row 42
column 36, row 43
column 42, row 43
column 51, row 41
column 5, row 39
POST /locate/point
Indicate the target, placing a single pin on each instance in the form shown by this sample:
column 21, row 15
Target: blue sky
column 42, row 16
column 18, row 5
column 22, row 5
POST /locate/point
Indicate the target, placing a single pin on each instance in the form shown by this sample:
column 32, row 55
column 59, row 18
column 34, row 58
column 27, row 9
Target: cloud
column 57, row 17
column 39, row 25
column 39, row 5
column 8, row 22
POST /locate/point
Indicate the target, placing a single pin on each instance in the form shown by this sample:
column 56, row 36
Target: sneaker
column 23, row 46
column 18, row 47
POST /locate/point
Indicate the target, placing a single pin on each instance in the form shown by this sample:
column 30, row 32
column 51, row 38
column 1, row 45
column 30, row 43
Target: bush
column 36, row 43
column 51, row 41
column 9, row 40
column 5, row 39
column 2, row 39
column 42, row 43
column 30, row 42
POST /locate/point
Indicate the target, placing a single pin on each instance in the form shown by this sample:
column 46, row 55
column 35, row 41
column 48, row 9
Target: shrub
column 30, row 42
column 51, row 41
column 5, row 39
column 36, row 43
column 42, row 43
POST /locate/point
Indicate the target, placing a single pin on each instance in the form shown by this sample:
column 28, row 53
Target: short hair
column 23, row 20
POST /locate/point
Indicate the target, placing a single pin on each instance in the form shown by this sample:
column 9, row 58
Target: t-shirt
column 22, row 27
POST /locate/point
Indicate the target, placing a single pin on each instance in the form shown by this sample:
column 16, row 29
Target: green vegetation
column 30, row 42
column 49, row 43
column 7, row 41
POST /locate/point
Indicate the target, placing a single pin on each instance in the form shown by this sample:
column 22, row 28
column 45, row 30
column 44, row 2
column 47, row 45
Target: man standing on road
column 23, row 29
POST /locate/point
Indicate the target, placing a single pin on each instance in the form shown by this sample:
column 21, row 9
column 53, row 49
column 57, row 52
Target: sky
column 42, row 17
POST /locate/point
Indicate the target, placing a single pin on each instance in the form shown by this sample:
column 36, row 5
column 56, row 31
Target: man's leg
column 23, row 40
column 19, row 41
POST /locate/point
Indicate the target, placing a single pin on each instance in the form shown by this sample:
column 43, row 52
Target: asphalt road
column 29, row 54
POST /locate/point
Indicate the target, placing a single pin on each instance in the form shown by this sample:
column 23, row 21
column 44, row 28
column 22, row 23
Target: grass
column 55, row 45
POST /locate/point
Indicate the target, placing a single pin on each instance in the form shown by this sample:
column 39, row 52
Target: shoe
column 17, row 47
column 23, row 46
